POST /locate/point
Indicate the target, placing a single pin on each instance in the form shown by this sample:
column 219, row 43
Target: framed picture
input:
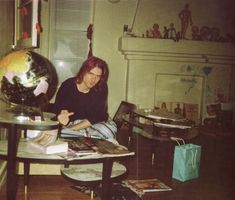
column 186, row 91
column 26, row 23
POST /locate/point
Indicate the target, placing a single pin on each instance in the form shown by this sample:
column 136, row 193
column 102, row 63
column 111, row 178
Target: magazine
column 87, row 147
column 107, row 147
column 140, row 187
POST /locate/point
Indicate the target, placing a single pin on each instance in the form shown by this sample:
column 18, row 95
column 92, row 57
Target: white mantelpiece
column 148, row 57
column 183, row 50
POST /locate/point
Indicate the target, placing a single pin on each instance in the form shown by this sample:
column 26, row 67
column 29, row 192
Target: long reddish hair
column 88, row 65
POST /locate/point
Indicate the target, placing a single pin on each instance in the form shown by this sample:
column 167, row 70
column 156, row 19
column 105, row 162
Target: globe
column 27, row 78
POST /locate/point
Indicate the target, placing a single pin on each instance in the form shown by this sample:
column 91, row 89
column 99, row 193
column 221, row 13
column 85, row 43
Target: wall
column 6, row 35
column 108, row 28
column 197, row 71
column 6, row 27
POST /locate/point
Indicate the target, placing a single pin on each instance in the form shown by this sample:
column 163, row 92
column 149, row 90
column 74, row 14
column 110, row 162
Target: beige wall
column 6, row 26
column 108, row 26
column 6, row 35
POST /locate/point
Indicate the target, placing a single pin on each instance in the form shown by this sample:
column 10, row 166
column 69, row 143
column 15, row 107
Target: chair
column 123, row 109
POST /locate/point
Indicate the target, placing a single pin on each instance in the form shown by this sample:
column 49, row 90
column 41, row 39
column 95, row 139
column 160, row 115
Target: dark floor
column 217, row 169
column 216, row 180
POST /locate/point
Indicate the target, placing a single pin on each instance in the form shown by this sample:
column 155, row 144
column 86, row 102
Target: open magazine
column 140, row 187
column 87, row 147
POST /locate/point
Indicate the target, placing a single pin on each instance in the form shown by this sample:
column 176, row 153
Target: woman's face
column 92, row 77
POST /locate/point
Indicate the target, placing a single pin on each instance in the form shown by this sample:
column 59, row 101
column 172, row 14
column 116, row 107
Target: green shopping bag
column 186, row 162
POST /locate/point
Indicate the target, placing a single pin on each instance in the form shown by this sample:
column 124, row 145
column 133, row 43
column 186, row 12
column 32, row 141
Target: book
column 87, row 147
column 140, row 187
column 108, row 148
column 48, row 143
column 81, row 146
column 54, row 148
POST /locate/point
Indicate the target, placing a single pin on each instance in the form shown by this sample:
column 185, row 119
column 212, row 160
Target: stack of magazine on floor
column 90, row 147
column 143, row 186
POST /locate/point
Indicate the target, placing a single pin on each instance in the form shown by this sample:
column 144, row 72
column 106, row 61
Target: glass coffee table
column 27, row 155
column 160, row 130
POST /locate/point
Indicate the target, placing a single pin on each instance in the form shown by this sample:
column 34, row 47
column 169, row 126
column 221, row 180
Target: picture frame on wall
column 186, row 94
column 26, row 24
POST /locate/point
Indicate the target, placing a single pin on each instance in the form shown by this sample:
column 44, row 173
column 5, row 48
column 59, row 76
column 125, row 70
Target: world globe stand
column 31, row 76
column 25, row 112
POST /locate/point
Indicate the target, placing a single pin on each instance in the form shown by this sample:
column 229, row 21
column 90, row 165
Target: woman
column 81, row 102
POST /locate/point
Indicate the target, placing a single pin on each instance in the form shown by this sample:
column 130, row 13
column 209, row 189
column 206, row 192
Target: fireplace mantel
column 148, row 59
column 183, row 51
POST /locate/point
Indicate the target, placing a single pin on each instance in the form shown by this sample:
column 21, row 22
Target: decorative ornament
column 207, row 70
column 89, row 37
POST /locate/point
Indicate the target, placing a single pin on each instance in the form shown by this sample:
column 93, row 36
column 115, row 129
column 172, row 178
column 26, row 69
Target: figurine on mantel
column 171, row 31
column 186, row 20
column 195, row 33
column 165, row 33
column 172, row 34
column 154, row 32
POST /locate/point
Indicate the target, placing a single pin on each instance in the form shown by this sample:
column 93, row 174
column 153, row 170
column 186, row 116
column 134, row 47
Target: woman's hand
column 63, row 117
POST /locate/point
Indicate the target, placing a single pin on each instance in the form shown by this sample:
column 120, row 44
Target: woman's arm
column 81, row 125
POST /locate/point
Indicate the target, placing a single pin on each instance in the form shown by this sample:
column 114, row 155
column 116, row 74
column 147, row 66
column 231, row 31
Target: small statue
column 154, row 32
column 172, row 34
column 147, row 34
column 165, row 33
column 186, row 20
column 195, row 33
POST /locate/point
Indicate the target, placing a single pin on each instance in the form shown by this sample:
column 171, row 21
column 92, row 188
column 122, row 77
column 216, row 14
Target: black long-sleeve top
column 91, row 106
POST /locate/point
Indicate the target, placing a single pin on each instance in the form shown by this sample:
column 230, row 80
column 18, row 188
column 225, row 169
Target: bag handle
column 178, row 139
column 194, row 158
